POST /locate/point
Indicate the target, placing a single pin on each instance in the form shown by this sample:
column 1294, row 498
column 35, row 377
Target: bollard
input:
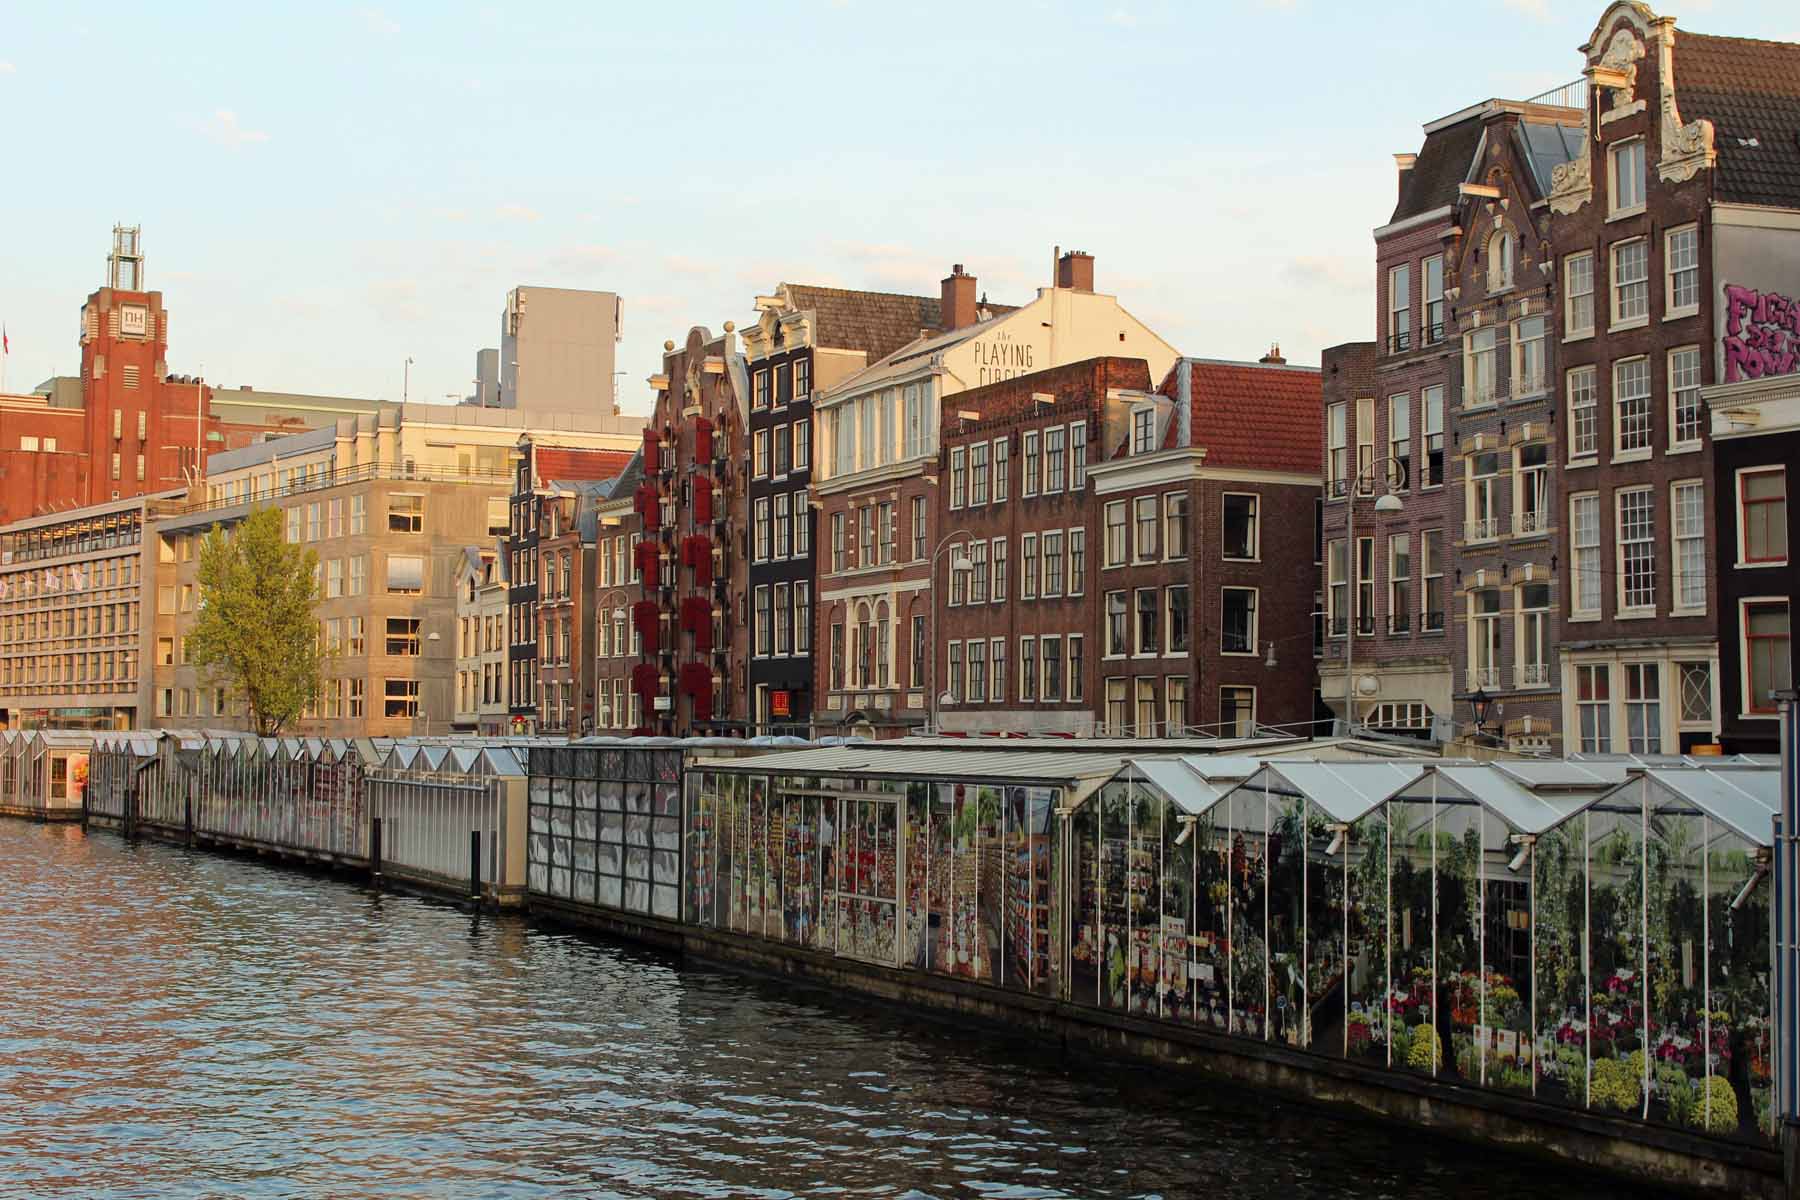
column 475, row 865
column 190, row 821
column 375, row 851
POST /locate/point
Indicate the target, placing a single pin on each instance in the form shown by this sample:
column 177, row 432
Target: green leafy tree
column 256, row 634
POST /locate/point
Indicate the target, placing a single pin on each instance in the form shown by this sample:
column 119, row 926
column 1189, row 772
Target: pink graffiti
column 1762, row 334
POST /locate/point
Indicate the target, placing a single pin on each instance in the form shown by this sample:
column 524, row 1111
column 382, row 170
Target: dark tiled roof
column 1257, row 415
column 629, row 478
column 1443, row 163
column 877, row 323
column 1750, row 91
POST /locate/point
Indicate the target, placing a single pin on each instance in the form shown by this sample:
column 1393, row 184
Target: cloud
column 1122, row 18
column 516, row 212
column 6, row 68
column 376, row 21
column 1328, row 273
column 225, row 130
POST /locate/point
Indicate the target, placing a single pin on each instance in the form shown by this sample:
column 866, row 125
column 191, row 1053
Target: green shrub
column 1424, row 1051
column 1618, row 1082
column 1399, row 1040
column 1717, row 1094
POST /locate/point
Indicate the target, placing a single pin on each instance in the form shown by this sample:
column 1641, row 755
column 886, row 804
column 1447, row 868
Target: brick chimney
column 1075, row 270
column 1273, row 357
column 958, row 299
column 1403, row 165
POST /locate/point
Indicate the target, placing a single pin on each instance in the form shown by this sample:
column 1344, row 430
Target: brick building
column 566, row 605
column 874, row 476
column 691, row 617
column 805, row 339
column 616, row 641
column 481, row 645
column 1688, row 174
column 1120, row 547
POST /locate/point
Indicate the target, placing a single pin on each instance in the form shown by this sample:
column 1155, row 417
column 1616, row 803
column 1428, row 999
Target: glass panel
column 1249, row 946
column 1559, row 886
column 1416, row 1041
column 1087, row 934
column 1365, row 859
column 1738, row 1028
column 1213, row 880
column 1616, row 912
column 1116, row 896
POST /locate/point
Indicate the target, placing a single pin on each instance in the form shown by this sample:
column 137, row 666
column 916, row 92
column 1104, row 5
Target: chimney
column 1273, row 357
column 1403, row 165
column 1075, row 270
column 958, row 300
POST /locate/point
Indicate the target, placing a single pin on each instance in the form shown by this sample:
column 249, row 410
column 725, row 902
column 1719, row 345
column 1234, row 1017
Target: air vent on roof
column 1749, row 141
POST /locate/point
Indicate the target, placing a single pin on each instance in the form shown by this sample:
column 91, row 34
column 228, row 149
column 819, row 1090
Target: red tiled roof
column 574, row 463
column 1260, row 416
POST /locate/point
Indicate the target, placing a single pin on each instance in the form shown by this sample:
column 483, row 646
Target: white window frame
column 1337, row 434
column 1685, row 535
column 1625, row 607
column 959, row 479
column 1399, row 584
column 1526, row 383
column 1581, row 385
column 1639, row 147
column 1255, row 547
column 1689, row 372
column 1616, row 284
column 1672, row 310
column 1574, row 265
column 1620, row 367
column 1033, row 462
column 1000, row 459
column 1399, row 290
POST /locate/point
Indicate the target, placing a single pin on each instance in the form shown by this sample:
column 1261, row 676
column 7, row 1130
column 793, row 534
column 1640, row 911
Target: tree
column 256, row 634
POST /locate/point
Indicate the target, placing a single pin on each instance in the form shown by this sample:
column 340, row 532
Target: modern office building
column 558, row 352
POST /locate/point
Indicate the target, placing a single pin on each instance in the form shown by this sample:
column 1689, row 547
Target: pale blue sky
column 326, row 190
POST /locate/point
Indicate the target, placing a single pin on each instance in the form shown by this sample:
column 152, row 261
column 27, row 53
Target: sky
column 328, row 190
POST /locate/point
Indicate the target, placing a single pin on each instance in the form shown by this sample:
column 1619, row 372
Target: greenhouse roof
column 1745, row 801
column 1195, row 782
column 1059, row 768
column 1514, row 802
column 1344, row 790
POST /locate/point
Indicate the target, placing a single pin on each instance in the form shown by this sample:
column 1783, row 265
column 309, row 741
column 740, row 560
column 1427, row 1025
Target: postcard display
column 955, row 879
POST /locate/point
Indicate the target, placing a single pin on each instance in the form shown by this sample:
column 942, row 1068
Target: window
column 1175, row 525
column 359, row 575
column 1237, row 711
column 913, row 412
column 1578, row 295
column 765, row 632
column 1365, row 586
column 918, row 651
column 334, row 578
column 405, row 575
column 1528, row 375
column 1053, row 563
column 1116, row 712
column 1767, row 652
column 293, row 526
column 977, row 651
column 1630, row 281
column 401, row 698
column 1637, row 549
column 1030, row 481
column 353, row 635
column 959, row 478
column 1145, row 546
column 1625, row 165
column 1399, row 308
column 1500, row 261
column 1078, row 456
column 1365, row 445
column 978, row 572
column 1687, row 513
column 998, row 557
column 1479, row 380
column 978, row 473
column 1534, row 635
column 1337, row 591
column 1685, row 415
column 1643, row 708
column 1431, row 403
column 1240, row 526
column 1531, row 489
column 1175, row 704
column 406, row 514
column 1143, row 430
column 837, row 541
column 802, row 444
column 759, row 390
column 1002, row 464
column 1584, row 415
column 802, row 520
column 766, row 452
column 1077, row 562
column 1177, row 611
column 1681, row 259
column 1336, row 440
column 920, row 530
column 1050, row 647
column 1115, row 534
column 1484, row 497
column 1593, row 703
column 1116, row 632
column 802, row 378
column 1028, row 668
column 997, row 677
column 1399, row 582
column 884, row 441
column 1631, row 405
column 1762, row 516
column 1400, row 438
column 1077, row 691
column 403, row 637
column 1146, row 706
column 1484, row 638
column 1028, row 566
column 359, row 515
column 1433, row 272
column 869, row 452
column 889, row 530
column 761, row 523
column 1238, row 621
column 1055, row 463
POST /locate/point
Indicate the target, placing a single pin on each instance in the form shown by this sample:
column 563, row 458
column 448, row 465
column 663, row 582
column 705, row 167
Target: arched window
column 1500, row 260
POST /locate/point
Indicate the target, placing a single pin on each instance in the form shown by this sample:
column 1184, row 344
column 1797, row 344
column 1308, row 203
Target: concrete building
column 481, row 701
column 805, row 339
column 76, row 602
column 1682, row 201
column 558, row 348
column 875, row 476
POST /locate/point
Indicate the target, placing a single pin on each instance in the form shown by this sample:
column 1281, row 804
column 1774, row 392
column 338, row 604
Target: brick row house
column 1113, row 546
column 805, row 338
column 878, row 469
column 1676, row 186
column 617, row 644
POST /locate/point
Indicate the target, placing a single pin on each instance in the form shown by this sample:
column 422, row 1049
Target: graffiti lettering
column 1762, row 334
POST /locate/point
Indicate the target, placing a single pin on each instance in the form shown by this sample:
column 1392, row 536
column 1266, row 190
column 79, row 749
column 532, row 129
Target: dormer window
column 1500, row 261
column 1143, row 430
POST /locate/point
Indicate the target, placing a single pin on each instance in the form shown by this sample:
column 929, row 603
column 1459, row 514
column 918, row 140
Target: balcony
column 1339, row 626
column 1484, row 678
column 1434, row 333
column 1433, row 622
column 1365, row 626
column 1481, row 392
column 1529, row 385
column 1483, row 530
column 1530, row 522
column 1399, row 343
column 1400, row 623
column 1534, row 675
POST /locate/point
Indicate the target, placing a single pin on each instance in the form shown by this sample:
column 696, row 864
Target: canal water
column 177, row 1024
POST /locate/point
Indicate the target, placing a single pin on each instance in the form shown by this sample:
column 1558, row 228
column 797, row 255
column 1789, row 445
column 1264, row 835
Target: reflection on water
column 174, row 1024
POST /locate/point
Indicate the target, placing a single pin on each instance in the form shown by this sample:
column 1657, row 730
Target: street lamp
column 1481, row 704
column 1388, row 503
column 957, row 563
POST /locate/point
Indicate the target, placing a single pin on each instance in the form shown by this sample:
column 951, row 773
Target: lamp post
column 1387, row 502
column 956, row 564
column 1480, row 703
